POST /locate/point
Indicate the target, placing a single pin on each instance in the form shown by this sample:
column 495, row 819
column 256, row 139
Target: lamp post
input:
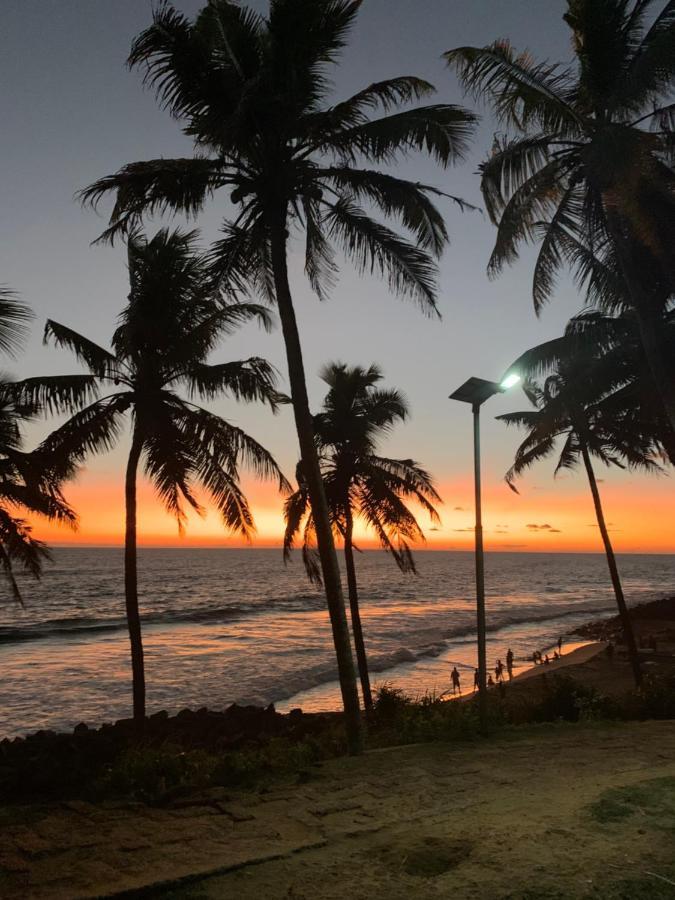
column 476, row 391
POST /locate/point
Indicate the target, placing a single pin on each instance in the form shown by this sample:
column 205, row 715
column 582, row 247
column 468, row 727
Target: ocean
column 223, row 626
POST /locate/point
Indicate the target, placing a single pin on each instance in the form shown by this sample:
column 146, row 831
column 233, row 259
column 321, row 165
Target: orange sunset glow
column 555, row 518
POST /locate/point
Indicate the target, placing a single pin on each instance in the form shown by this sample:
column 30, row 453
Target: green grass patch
column 653, row 802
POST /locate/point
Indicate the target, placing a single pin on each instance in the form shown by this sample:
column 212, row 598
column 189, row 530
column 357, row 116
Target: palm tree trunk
column 131, row 577
column 355, row 613
column 626, row 623
column 312, row 472
column 650, row 322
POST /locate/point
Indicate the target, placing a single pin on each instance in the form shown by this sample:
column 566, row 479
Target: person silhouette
column 560, row 643
column 456, row 687
column 476, row 680
column 509, row 662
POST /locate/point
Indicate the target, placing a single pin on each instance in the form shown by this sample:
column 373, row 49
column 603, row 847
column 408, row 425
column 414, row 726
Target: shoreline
column 580, row 653
column 428, row 675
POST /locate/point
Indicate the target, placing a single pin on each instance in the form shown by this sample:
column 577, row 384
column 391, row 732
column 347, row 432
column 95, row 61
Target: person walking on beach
column 476, row 680
column 499, row 670
column 509, row 663
column 456, row 687
column 560, row 642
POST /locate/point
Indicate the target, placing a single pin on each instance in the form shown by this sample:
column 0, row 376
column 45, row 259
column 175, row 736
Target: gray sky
column 71, row 113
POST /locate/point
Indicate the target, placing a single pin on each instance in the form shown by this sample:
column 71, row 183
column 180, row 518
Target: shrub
column 567, row 699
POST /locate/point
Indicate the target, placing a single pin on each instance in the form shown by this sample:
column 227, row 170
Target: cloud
column 434, row 528
column 545, row 527
column 459, row 509
column 501, row 531
column 463, row 529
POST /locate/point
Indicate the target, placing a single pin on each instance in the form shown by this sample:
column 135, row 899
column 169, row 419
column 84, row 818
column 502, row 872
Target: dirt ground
column 575, row 811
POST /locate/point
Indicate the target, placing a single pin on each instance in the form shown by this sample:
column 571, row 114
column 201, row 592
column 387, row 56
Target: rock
column 295, row 714
column 81, row 728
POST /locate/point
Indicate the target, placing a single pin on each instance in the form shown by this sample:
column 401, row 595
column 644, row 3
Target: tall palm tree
column 30, row 482
column 360, row 484
column 594, row 422
column 167, row 330
column 586, row 164
column 253, row 94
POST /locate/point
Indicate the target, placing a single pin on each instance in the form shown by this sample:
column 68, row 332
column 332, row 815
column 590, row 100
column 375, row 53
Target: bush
column 655, row 699
column 401, row 719
column 150, row 774
column 569, row 700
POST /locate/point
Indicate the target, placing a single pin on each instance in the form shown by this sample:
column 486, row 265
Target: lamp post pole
column 480, row 575
column 476, row 391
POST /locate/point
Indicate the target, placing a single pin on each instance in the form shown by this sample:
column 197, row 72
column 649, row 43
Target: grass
column 652, row 802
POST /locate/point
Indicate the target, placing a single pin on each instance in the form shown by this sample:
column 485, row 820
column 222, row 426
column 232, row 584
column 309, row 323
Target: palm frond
column 523, row 93
column 228, row 445
column 170, row 459
column 386, row 95
column 442, row 130
column 251, row 380
column 395, row 197
column 374, row 247
column 56, row 394
column 99, row 361
column 154, row 187
column 94, row 429
column 14, row 318
column 320, row 266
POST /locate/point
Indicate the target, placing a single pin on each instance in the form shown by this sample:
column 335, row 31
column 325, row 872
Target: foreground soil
column 557, row 811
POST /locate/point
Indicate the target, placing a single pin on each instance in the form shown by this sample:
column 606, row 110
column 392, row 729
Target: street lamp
column 476, row 391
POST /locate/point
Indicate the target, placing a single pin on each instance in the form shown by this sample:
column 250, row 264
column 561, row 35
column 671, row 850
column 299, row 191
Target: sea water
column 223, row 626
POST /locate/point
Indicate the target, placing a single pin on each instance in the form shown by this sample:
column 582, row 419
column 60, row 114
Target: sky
column 72, row 112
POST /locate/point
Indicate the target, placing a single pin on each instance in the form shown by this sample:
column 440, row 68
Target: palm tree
column 611, row 344
column 594, row 421
column 252, row 93
column 170, row 325
column 586, row 165
column 360, row 484
column 29, row 481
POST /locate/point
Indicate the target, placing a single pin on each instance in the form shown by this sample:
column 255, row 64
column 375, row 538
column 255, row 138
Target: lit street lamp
column 476, row 391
